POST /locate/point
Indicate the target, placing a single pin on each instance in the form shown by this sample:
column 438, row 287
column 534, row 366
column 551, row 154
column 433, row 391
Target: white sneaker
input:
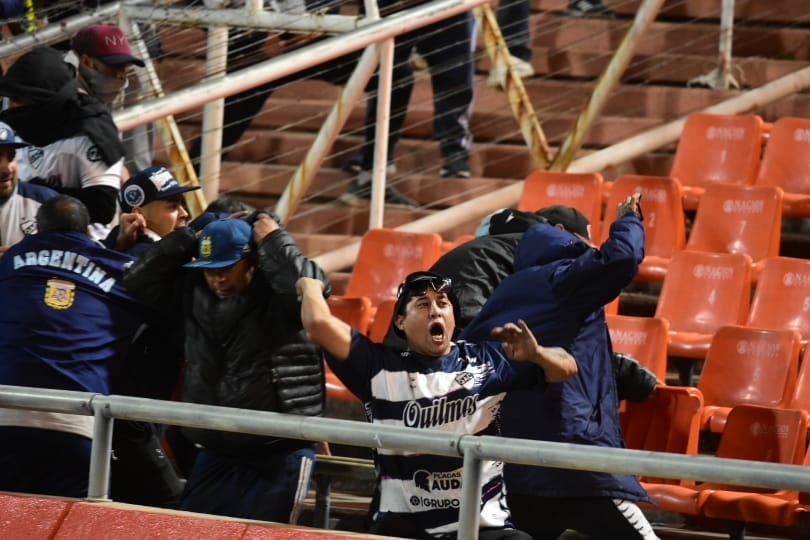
column 521, row 68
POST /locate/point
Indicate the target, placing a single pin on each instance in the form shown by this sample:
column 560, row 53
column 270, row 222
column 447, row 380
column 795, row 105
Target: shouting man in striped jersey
column 435, row 384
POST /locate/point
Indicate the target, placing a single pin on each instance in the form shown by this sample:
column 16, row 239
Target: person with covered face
column 19, row 202
column 559, row 286
column 436, row 384
column 236, row 311
column 74, row 144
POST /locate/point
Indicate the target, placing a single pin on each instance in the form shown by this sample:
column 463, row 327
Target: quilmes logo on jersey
column 440, row 481
column 440, row 411
column 59, row 293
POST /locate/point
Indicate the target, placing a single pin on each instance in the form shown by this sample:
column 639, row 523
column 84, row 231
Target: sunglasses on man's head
column 438, row 284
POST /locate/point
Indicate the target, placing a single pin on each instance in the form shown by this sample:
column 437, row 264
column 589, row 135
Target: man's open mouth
column 437, row 330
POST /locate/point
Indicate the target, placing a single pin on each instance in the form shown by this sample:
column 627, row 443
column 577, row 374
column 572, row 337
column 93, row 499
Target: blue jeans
column 271, row 487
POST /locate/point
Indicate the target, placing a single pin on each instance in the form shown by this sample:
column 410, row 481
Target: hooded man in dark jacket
column 559, row 287
column 75, row 147
column 243, row 348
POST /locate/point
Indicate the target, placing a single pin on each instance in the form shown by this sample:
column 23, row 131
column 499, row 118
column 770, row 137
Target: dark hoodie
column 559, row 287
column 57, row 110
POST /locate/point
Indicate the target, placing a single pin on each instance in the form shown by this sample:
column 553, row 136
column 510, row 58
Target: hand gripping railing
column 473, row 449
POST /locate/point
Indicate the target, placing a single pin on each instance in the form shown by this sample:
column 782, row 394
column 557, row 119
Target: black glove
column 253, row 216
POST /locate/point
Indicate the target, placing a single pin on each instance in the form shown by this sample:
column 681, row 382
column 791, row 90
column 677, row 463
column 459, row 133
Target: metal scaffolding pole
column 605, row 85
column 519, row 101
column 305, row 173
column 216, row 60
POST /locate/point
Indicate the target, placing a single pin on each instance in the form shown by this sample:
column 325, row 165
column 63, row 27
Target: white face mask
column 102, row 86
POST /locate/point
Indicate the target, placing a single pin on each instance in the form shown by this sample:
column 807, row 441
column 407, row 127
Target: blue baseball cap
column 150, row 184
column 9, row 137
column 222, row 243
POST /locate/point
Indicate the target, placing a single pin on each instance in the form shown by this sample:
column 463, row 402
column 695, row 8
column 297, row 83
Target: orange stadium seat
column 717, row 148
column 382, row 320
column 335, row 389
column 582, row 191
column 785, row 164
column 739, row 219
column 752, row 433
column 747, row 366
column 612, row 307
column 701, row 292
column 385, row 257
column 661, row 203
column 771, row 507
column 669, row 421
column 353, row 310
column 782, row 296
column 643, row 338
column 801, row 391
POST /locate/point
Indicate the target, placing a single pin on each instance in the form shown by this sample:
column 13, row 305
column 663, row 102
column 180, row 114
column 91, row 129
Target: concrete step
column 430, row 191
column 488, row 160
column 789, row 11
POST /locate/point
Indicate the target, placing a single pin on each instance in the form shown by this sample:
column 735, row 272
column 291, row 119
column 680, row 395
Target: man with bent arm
column 435, row 384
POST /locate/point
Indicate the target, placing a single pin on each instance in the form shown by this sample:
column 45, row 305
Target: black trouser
column 140, row 472
column 409, row 528
column 599, row 518
column 447, row 47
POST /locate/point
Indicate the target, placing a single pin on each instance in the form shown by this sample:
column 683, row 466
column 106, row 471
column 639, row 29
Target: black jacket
column 248, row 351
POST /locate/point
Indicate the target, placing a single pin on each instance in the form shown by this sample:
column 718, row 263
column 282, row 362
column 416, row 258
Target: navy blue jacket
column 559, row 287
column 66, row 314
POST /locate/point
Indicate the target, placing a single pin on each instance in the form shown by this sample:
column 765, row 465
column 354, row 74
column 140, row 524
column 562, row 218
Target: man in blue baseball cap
column 244, row 347
column 152, row 206
column 225, row 256
column 19, row 202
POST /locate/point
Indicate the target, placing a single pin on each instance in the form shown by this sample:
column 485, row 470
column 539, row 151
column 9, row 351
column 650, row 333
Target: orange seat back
column 717, row 148
column 582, row 191
column 382, row 320
column 782, row 296
column 353, row 310
column 662, row 206
column 784, row 161
column 761, row 433
column 738, row 219
column 800, row 399
column 385, row 257
column 750, row 366
column 643, row 338
column 669, row 421
column 703, row 291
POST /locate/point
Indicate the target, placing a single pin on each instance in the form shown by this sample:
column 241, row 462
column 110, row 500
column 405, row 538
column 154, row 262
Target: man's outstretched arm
column 520, row 344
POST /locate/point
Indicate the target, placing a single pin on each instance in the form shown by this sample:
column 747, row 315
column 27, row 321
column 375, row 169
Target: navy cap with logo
column 9, row 137
column 151, row 184
column 223, row 242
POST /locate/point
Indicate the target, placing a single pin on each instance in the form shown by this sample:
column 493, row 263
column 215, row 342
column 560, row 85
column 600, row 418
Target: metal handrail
column 474, row 449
